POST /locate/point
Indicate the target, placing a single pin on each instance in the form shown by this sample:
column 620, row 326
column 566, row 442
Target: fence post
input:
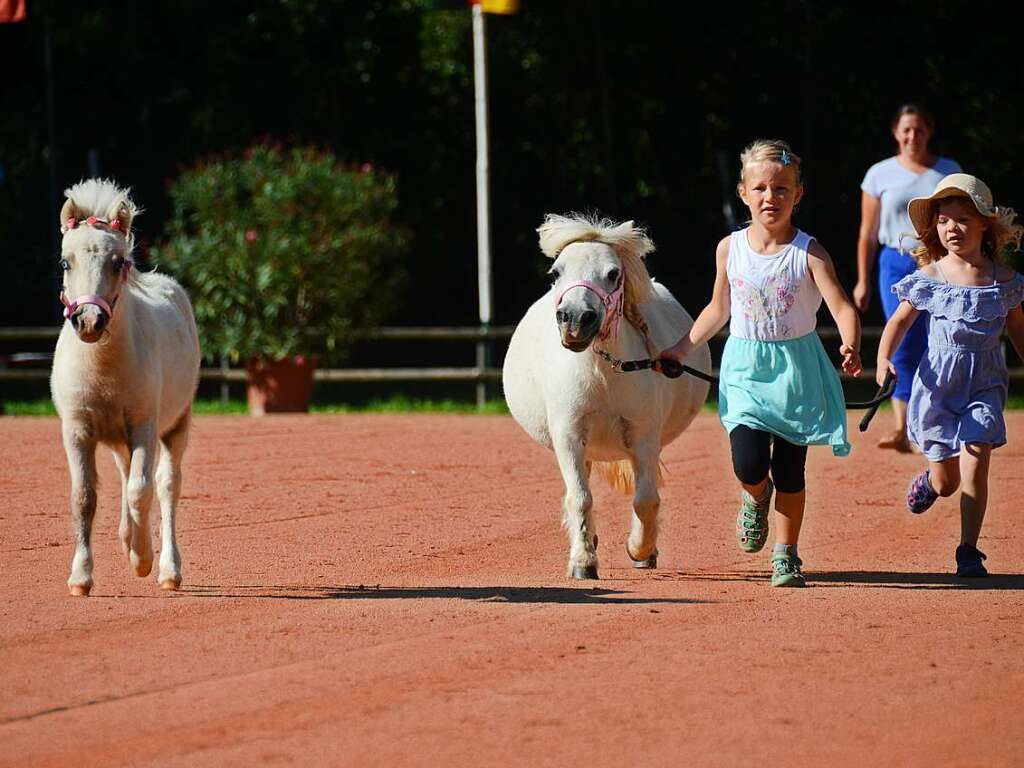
column 225, row 394
column 483, row 362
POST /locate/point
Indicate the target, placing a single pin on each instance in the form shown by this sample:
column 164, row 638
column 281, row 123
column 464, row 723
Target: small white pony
column 124, row 374
column 563, row 390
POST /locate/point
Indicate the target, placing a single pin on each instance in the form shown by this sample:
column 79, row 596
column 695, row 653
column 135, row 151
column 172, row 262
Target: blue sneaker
column 968, row 562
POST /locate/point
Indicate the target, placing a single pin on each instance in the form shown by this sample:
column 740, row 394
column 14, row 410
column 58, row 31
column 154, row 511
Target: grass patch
column 217, row 408
column 204, row 407
column 29, row 408
column 401, row 404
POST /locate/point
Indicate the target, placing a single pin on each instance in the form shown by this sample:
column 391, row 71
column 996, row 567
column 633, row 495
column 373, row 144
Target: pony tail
column 619, row 475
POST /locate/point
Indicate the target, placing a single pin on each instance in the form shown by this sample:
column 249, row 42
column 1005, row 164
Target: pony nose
column 577, row 323
column 99, row 322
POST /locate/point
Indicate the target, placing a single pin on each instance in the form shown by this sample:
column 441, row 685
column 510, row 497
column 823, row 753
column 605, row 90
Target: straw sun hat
column 954, row 185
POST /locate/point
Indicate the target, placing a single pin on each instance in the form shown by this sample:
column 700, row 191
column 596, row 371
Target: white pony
column 562, row 388
column 124, row 374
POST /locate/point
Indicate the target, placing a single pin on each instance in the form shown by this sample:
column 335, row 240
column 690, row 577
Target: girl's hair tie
column 785, row 159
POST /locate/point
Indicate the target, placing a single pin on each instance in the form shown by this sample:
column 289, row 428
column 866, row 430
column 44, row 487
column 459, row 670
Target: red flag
column 11, row 11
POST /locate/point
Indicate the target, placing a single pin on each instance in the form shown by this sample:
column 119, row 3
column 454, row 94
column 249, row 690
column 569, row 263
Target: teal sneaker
column 752, row 520
column 786, row 571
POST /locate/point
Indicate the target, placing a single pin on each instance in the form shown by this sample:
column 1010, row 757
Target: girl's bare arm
column 867, row 248
column 892, row 335
column 824, row 275
column 1015, row 329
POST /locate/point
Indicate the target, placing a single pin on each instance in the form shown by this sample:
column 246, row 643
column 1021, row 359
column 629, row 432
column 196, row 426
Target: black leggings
column 752, row 455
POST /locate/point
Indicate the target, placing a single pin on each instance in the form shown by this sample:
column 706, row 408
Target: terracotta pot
column 280, row 386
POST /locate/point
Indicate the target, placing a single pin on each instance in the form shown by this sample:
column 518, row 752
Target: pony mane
column 629, row 242
column 94, row 197
column 97, row 197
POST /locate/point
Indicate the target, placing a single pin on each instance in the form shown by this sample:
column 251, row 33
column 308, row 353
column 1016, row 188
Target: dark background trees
column 633, row 109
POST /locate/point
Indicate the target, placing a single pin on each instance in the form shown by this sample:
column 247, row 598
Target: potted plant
column 284, row 251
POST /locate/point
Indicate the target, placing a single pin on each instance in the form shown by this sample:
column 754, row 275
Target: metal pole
column 51, row 138
column 483, row 203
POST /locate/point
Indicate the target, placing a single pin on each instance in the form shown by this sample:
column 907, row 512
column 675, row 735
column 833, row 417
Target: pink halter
column 612, row 304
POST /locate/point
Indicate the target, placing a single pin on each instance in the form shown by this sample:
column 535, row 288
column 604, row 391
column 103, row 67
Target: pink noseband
column 99, row 301
column 71, row 306
column 612, row 304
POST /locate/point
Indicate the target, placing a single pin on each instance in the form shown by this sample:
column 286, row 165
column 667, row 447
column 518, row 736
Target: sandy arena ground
column 373, row 590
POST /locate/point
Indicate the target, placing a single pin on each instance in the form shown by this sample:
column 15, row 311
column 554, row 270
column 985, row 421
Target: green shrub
column 280, row 246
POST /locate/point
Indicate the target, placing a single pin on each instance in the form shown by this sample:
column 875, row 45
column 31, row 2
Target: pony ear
column 121, row 212
column 634, row 238
column 69, row 211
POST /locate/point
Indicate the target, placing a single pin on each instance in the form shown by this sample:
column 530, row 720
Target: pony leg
column 80, row 447
column 576, row 508
column 168, row 489
column 140, row 497
column 124, row 530
column 642, row 546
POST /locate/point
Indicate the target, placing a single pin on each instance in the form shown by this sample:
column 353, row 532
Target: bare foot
column 896, row 441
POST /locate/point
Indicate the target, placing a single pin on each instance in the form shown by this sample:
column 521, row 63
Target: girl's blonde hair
column 1002, row 231
column 772, row 150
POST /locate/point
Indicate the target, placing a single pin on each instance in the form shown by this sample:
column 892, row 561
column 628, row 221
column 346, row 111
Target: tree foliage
column 277, row 243
column 612, row 106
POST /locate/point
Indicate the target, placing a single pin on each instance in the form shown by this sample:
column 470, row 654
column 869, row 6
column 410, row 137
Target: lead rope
column 674, row 369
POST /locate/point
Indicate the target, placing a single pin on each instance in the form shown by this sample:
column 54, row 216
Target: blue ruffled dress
column 959, row 389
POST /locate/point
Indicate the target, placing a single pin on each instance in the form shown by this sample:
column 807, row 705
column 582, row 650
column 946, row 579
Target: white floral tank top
column 773, row 298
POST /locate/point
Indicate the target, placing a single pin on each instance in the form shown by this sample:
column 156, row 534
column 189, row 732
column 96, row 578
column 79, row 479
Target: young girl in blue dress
column 955, row 412
column 778, row 392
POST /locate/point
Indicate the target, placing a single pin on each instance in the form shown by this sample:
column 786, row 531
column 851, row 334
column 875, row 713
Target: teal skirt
column 788, row 388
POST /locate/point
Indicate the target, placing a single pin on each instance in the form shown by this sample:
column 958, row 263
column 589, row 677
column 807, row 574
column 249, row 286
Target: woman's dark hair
column 914, row 109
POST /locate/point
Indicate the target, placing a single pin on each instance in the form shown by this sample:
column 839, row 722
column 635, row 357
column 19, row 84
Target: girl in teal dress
column 778, row 391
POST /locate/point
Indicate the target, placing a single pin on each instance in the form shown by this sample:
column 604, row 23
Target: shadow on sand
column 873, row 579
column 552, row 595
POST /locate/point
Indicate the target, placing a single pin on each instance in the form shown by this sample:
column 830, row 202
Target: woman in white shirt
column 886, row 231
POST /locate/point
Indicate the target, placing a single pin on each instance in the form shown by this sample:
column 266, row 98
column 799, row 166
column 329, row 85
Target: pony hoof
column 170, row 584
column 139, row 566
column 647, row 564
column 79, row 590
column 584, row 571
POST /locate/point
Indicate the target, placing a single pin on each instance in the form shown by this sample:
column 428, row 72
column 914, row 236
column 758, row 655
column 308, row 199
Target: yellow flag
column 499, row 6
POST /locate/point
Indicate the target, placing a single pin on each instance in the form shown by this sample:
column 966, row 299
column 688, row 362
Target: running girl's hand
column 884, row 366
column 851, row 360
column 678, row 351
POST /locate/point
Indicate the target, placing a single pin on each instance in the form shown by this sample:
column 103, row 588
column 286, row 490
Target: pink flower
column 366, row 167
column 250, row 235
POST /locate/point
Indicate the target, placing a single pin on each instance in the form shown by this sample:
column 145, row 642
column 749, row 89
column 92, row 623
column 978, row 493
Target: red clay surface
column 389, row 590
